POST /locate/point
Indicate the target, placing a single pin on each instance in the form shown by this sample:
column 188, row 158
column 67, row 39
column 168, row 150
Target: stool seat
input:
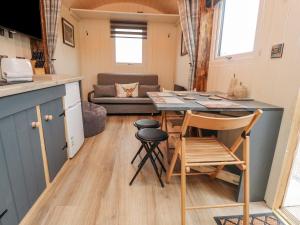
column 152, row 135
column 146, row 123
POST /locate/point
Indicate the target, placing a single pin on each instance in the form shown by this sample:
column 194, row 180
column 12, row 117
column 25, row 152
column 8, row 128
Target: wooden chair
column 195, row 152
column 173, row 119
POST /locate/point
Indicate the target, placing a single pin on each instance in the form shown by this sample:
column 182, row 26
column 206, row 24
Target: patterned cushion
column 127, row 90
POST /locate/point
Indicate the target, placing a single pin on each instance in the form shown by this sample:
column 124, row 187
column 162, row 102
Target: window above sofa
column 129, row 38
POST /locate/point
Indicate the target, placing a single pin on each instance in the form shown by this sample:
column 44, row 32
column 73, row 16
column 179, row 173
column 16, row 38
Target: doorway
column 291, row 202
column 287, row 201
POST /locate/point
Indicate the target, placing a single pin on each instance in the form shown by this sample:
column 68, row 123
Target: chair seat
column 152, row 135
column 207, row 150
column 146, row 123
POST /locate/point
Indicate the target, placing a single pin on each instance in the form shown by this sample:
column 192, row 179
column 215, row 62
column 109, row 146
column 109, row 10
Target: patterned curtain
column 52, row 15
column 189, row 12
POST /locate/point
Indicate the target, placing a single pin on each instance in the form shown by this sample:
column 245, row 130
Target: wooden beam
column 44, row 36
column 203, row 56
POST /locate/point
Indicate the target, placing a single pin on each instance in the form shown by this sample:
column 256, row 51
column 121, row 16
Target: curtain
column 189, row 12
column 52, row 15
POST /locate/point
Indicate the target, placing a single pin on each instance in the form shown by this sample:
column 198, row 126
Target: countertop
column 40, row 82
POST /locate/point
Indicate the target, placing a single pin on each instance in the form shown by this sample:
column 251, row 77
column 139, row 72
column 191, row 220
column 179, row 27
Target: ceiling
column 165, row 6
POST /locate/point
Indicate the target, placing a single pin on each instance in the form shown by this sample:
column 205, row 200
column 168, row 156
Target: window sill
column 234, row 58
column 130, row 64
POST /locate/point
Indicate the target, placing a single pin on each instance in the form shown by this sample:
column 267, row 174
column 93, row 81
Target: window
column 129, row 38
column 237, row 28
column 129, row 50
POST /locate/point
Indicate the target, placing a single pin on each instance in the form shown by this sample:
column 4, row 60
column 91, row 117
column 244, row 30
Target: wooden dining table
column 263, row 136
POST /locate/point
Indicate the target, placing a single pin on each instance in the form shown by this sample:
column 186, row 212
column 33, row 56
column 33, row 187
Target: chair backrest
column 219, row 124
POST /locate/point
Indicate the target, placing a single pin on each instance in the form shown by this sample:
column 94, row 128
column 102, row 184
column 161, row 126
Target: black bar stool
column 146, row 123
column 150, row 139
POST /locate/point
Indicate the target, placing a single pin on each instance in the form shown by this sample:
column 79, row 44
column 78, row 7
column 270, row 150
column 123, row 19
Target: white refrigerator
column 73, row 117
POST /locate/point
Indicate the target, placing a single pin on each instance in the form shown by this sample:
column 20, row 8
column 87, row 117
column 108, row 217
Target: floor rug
column 255, row 219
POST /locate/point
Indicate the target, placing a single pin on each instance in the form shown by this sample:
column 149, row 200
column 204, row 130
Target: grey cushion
column 116, row 100
column 112, row 78
column 143, row 89
column 94, row 118
column 104, row 91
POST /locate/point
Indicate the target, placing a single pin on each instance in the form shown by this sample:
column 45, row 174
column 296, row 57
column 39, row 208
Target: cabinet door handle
column 62, row 114
column 48, row 117
column 35, row 125
column 3, row 213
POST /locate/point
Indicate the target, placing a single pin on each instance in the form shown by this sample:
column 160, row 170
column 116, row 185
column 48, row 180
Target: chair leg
column 246, row 198
column 172, row 165
column 166, row 129
column 162, row 120
column 246, row 181
column 139, row 151
column 183, row 192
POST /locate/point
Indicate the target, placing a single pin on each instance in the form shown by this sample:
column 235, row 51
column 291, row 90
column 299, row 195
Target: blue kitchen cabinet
column 22, row 174
column 54, row 134
column 22, row 162
column 8, row 214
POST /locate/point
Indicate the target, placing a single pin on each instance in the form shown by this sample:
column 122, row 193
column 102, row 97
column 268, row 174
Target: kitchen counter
column 40, row 82
column 33, row 142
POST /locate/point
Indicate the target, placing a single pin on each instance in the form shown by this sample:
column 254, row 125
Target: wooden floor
column 93, row 188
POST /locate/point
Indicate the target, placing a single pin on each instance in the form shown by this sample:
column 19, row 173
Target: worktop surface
column 40, row 82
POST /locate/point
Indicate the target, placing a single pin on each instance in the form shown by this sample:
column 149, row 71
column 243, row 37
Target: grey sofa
column 116, row 105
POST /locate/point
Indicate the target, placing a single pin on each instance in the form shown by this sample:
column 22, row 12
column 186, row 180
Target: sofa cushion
column 116, row 100
column 105, row 90
column 127, row 90
column 143, row 89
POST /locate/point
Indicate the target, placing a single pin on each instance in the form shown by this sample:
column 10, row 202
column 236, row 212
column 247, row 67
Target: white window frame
column 217, row 32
